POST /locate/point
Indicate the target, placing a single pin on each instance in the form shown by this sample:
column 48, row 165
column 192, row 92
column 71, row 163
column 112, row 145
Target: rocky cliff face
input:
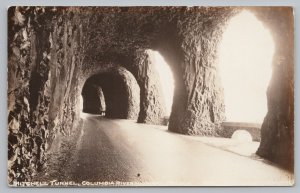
column 43, row 55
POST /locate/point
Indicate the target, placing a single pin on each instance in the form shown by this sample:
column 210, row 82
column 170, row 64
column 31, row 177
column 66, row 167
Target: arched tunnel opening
column 245, row 61
column 246, row 53
column 113, row 94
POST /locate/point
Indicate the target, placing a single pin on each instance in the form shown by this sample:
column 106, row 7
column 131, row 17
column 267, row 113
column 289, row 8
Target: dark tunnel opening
column 93, row 99
column 114, row 94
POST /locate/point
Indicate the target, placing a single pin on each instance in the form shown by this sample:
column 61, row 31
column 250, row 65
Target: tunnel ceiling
column 114, row 34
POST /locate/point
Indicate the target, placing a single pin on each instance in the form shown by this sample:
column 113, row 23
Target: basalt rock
column 43, row 53
column 152, row 108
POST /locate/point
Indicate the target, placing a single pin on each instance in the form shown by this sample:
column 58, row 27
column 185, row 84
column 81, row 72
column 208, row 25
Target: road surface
column 121, row 150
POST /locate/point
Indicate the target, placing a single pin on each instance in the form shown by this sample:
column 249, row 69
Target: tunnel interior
column 100, row 55
column 114, row 93
column 93, row 99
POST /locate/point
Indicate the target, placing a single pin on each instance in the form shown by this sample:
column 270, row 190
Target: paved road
column 121, row 150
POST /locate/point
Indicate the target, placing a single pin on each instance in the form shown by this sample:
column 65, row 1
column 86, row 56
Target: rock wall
column 43, row 55
column 198, row 107
column 152, row 107
column 277, row 132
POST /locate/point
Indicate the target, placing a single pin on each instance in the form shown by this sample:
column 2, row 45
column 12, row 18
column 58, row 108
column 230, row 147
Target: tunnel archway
column 120, row 92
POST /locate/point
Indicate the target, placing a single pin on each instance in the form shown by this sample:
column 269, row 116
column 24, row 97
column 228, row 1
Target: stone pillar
column 132, row 91
column 277, row 132
column 198, row 107
column 152, row 108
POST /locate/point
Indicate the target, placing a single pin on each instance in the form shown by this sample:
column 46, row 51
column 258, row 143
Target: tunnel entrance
column 113, row 93
column 246, row 53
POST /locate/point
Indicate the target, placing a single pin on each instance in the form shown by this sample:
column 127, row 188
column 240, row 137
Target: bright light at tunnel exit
column 166, row 79
column 80, row 106
column 246, row 53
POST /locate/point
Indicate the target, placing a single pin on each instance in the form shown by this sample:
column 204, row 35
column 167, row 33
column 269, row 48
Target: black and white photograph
column 122, row 96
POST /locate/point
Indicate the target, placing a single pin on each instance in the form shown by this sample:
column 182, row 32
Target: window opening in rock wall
column 246, row 53
column 166, row 79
